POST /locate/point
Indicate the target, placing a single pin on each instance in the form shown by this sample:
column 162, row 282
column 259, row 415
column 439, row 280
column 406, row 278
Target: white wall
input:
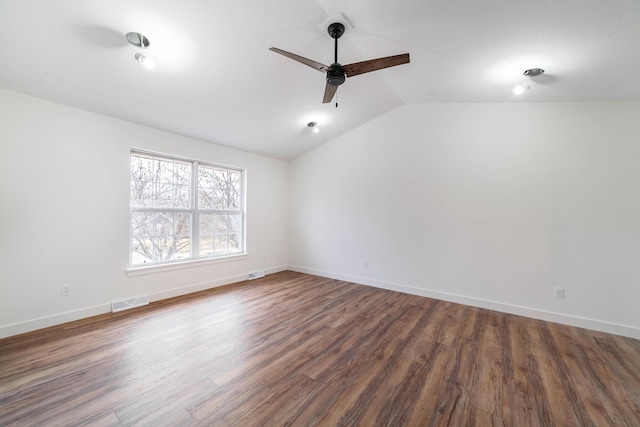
column 64, row 194
column 491, row 205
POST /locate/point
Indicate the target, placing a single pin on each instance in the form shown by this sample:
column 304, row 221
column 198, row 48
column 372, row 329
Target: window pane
column 141, row 237
column 142, row 181
column 226, row 232
column 206, row 245
column 235, row 182
column 162, row 224
column 234, row 243
column 142, row 168
column 141, row 251
column 182, row 224
column 221, row 244
column 170, row 248
column 222, row 223
column 205, row 198
column 183, row 247
column 157, row 182
column 182, row 196
column 178, row 176
column 163, row 196
column 162, row 248
column 141, row 224
column 159, row 236
column 206, row 234
column 205, row 176
column 205, row 187
column 183, row 173
column 141, row 193
column 206, row 224
column 165, row 171
column 235, row 223
column 220, row 189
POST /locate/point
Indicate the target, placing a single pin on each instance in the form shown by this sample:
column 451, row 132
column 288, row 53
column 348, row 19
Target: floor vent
column 256, row 275
column 129, row 303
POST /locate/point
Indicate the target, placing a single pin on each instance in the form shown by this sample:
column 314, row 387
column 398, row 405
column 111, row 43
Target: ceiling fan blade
column 313, row 64
column 329, row 91
column 375, row 64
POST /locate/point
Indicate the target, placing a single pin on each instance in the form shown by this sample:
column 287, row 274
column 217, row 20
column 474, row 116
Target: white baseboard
column 566, row 319
column 70, row 316
column 158, row 296
column 56, row 319
column 83, row 313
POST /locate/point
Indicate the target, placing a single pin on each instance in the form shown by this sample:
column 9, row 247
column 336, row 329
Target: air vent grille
column 129, row 303
column 256, row 274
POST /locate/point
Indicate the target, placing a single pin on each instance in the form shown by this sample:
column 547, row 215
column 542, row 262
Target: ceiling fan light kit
column 336, row 73
column 314, row 127
column 524, row 86
column 141, row 41
column 532, row 72
column 521, row 88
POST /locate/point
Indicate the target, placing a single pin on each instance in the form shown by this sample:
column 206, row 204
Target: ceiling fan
column 337, row 73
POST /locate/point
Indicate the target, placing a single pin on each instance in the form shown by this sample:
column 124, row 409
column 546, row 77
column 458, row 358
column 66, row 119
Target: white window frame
column 195, row 258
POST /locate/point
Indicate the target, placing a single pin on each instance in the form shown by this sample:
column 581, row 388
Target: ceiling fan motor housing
column 336, row 30
column 335, row 75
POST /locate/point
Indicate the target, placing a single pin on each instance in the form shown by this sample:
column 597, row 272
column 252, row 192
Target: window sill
column 150, row 269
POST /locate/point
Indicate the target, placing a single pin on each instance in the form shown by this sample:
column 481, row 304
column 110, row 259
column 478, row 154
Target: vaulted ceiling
column 215, row 79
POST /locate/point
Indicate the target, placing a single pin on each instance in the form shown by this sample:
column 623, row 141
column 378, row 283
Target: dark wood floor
column 293, row 349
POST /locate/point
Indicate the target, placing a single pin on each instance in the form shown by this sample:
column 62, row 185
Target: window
column 184, row 210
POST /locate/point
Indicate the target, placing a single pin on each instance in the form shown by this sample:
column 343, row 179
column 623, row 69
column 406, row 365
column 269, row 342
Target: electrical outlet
column 65, row 290
column 558, row 292
column 365, row 264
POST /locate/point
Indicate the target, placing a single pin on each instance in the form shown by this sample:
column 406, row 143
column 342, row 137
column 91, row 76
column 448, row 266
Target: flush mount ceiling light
column 314, row 127
column 141, row 41
column 524, row 86
column 532, row 72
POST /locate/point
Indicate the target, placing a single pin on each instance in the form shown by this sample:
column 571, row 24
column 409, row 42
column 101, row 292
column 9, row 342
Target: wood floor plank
column 530, row 404
column 298, row 350
column 427, row 388
column 272, row 406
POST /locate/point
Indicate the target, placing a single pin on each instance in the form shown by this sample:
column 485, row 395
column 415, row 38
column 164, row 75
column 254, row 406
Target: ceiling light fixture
column 524, row 86
column 141, row 41
column 532, row 72
column 314, row 127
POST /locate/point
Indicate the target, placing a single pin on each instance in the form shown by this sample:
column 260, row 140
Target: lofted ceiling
column 215, row 79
